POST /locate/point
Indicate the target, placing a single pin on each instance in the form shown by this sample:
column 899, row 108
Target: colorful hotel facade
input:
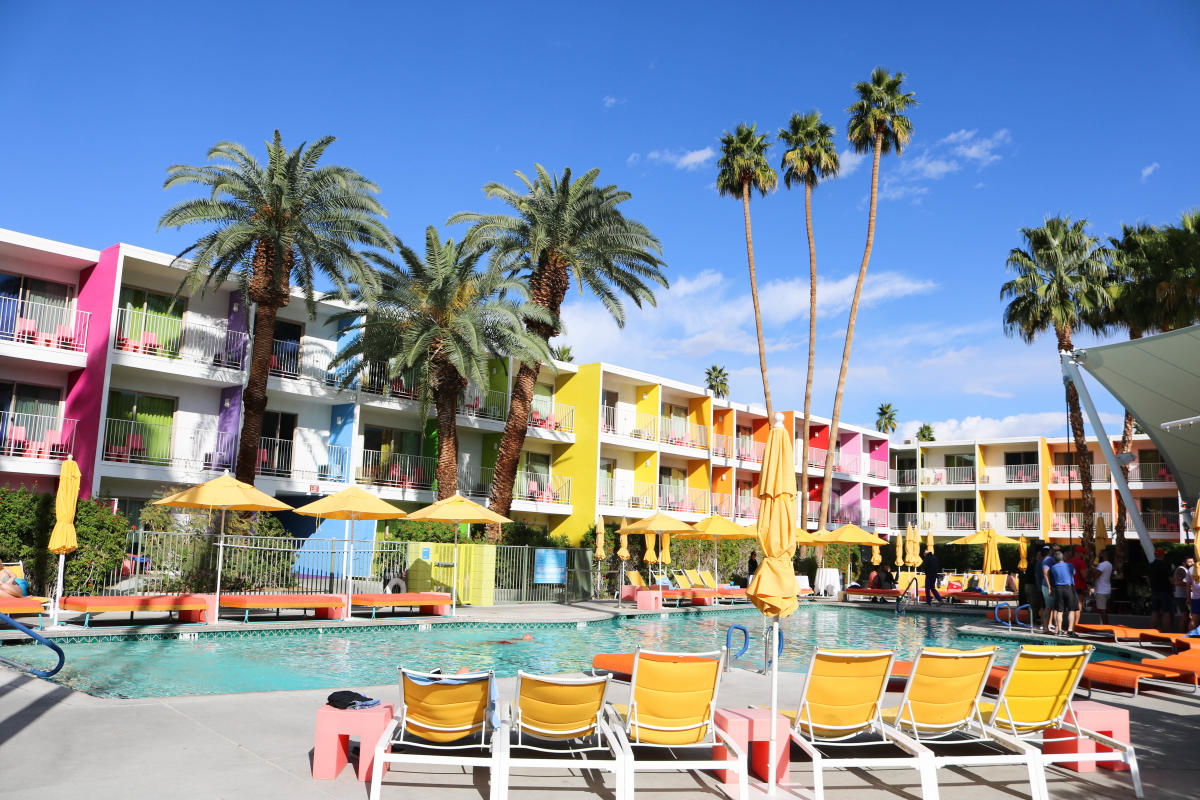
column 96, row 361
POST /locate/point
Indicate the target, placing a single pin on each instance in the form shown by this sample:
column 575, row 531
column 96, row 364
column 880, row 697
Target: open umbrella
column 350, row 504
column 228, row 494
column 456, row 509
column 850, row 534
column 718, row 528
column 989, row 539
column 62, row 538
column 653, row 526
column 773, row 587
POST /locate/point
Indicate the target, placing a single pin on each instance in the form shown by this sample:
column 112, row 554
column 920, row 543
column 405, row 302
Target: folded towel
column 351, row 700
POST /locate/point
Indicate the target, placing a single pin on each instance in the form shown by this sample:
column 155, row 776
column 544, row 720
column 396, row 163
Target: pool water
column 331, row 657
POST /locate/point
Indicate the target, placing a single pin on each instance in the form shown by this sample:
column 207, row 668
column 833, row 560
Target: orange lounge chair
column 324, row 605
column 131, row 603
column 427, row 602
column 996, row 597
column 620, row 665
column 13, row 606
column 1180, row 642
column 1116, row 633
column 859, row 592
column 1122, row 675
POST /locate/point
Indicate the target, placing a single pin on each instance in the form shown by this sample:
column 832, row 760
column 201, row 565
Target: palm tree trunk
column 827, row 485
column 812, row 349
column 1126, row 446
column 511, row 443
column 446, row 398
column 762, row 352
column 1084, row 464
column 254, row 397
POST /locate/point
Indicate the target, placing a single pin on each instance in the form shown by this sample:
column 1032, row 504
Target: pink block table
column 208, row 616
column 629, row 592
column 1108, row 720
column 649, row 601
column 331, row 745
column 751, row 729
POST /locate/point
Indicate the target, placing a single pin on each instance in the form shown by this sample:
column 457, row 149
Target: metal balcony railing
column 43, row 324
column 877, row 517
column 375, row 380
column 846, row 516
column 902, row 477
column 302, row 460
column 537, row 488
column 483, row 403
column 682, row 433
column 899, row 522
column 750, row 450
column 1011, row 474
column 168, row 337
column 549, row 416
column 1158, row 522
column 722, row 446
column 948, row 520
column 849, row 463
column 1016, row 520
column 626, row 494
column 36, row 436
column 165, row 445
column 475, row 481
column 813, row 510
column 1064, row 522
column 294, row 360
column 1062, row 473
column 877, row 468
column 817, row 456
column 681, row 498
column 397, row 470
column 947, row 476
column 1150, row 472
column 747, row 506
column 722, row 504
column 628, row 422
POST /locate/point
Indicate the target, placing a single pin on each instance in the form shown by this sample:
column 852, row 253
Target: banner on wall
column 549, row 566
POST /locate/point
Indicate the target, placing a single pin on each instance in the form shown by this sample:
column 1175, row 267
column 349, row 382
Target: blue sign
column 425, row 553
column 549, row 566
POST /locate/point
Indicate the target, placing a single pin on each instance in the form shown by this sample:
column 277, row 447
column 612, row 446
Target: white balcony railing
column 681, row 498
column 43, row 324
column 749, row 450
column 36, row 436
column 629, row 422
column 849, row 463
column 877, row 517
column 816, row 457
column 722, row 504
column 1016, row 520
column 375, row 380
column 302, row 460
column 1063, row 474
column 902, row 477
column 1158, row 522
column 948, row 520
column 722, row 445
column 475, row 481
column 877, row 468
column 812, row 510
column 1010, row 474
column 947, row 476
column 682, row 433
column 168, row 337
column 397, row 470
column 1065, row 522
column 296, row 360
column 537, row 488
column 548, row 416
column 1150, row 472
column 850, row 515
column 483, row 403
column 167, row 445
column 899, row 522
column 625, row 494
column 747, row 506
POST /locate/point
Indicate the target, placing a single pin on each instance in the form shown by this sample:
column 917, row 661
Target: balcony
column 722, row 446
column 682, row 433
column 630, row 423
column 1063, row 523
column 902, row 477
column 1063, row 474
column 722, row 504
column 747, row 506
column 899, row 522
column 397, row 470
column 948, row 521
column 289, row 359
column 1150, row 472
column 877, row 517
column 36, row 436
column 816, row 457
column 849, row 463
column 749, row 450
column 1158, row 522
column 43, row 325
column 301, row 460
column 534, row 487
column 625, row 494
column 548, row 416
column 850, row 515
column 682, row 499
column 164, row 445
column 877, row 468
column 1011, row 475
column 169, row 338
column 475, row 403
column 948, row 476
column 1019, row 521
column 475, row 481
column 813, row 511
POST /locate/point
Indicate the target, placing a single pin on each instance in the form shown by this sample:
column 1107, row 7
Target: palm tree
column 810, row 156
column 716, row 380
column 885, row 420
column 563, row 229
column 742, row 167
column 271, row 225
column 1060, row 285
column 925, row 433
column 877, row 124
column 441, row 319
column 562, row 352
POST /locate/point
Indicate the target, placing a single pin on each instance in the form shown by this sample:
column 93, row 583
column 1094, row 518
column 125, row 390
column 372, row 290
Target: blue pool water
column 330, row 657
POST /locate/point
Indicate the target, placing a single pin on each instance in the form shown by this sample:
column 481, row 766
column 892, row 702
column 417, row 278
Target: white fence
column 168, row 337
column 36, row 436
column 537, row 488
column 166, row 445
column 43, row 324
column 544, row 415
column 681, row 498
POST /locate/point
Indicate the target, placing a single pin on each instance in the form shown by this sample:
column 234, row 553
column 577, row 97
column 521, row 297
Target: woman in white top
column 1103, row 587
column 1192, row 581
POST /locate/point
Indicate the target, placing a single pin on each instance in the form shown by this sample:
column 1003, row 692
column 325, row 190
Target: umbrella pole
column 454, row 573
column 621, row 587
column 220, row 558
column 773, row 746
column 347, row 562
column 62, row 558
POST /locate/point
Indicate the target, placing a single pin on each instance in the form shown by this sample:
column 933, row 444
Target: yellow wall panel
column 580, row 460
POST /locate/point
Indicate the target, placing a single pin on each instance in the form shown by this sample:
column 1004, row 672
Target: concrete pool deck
column 55, row 742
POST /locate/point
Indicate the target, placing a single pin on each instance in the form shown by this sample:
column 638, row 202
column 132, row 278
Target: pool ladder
column 42, row 640
column 903, row 600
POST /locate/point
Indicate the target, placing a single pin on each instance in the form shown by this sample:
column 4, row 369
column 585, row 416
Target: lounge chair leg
column 818, row 779
column 744, row 779
column 1134, row 773
column 1038, row 789
column 376, row 776
column 929, row 783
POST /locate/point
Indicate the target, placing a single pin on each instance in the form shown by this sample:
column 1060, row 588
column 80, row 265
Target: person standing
column 1047, row 586
column 1162, row 592
column 1192, row 581
column 1066, row 602
column 1180, row 592
column 1102, row 589
column 931, row 568
column 752, row 563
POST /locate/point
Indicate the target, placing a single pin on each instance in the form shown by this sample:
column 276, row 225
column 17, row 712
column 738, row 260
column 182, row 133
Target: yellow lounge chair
column 841, row 706
column 559, row 717
column 441, row 719
column 671, row 706
column 941, row 706
column 732, row 592
column 1036, row 696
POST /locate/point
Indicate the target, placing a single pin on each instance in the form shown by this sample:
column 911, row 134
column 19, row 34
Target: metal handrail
column 41, row 673
column 904, row 596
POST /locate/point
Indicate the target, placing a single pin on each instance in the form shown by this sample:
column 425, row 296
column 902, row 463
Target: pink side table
column 1108, row 720
column 751, row 729
column 208, row 616
column 331, row 745
column 649, row 601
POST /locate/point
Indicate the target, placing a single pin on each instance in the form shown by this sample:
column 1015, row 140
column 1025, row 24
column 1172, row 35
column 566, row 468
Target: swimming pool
column 338, row 657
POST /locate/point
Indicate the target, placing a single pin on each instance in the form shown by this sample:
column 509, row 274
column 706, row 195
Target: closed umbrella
column 351, row 504
column 1022, row 551
column 1101, row 541
column 456, row 510
column 623, row 554
column 773, row 587
column 990, row 541
column 900, row 546
column 929, row 540
column 228, row 494
column 62, row 538
column 876, row 556
column 1196, row 530
column 599, row 555
column 912, row 548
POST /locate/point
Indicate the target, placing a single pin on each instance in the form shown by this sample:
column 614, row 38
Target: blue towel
column 493, row 708
column 359, row 705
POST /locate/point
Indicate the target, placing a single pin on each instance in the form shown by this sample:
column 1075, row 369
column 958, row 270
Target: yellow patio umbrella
column 912, row 548
column 1196, row 530
column 717, row 528
column 773, row 587
column 650, row 557
column 900, row 537
column 600, row 554
column 623, row 549
column 929, row 540
column 228, row 494
column 664, row 548
column 62, row 538
column 654, row 525
column 990, row 540
column 1023, row 551
column 456, row 509
column 876, row 556
column 351, row 504
column 850, row 534
column 1101, row 540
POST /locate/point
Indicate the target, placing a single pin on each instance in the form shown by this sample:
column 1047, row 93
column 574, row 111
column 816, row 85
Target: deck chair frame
column 416, row 749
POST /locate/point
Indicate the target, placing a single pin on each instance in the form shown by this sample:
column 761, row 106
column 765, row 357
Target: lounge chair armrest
column 1107, row 741
column 384, row 743
column 732, row 745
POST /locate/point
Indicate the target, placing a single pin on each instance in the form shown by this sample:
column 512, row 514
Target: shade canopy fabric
column 912, row 548
column 718, row 527
column 600, row 554
column 982, row 536
column 457, row 508
column 226, row 493
column 1157, row 379
column 1023, row 552
column 900, row 538
column 773, row 587
column 351, row 503
column 850, row 534
column 62, row 538
column 658, row 523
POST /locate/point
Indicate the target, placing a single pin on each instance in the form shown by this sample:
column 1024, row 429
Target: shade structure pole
column 347, row 561
column 62, row 560
column 220, row 558
column 773, row 746
column 454, row 578
column 621, row 587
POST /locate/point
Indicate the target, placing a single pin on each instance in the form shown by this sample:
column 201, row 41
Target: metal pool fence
column 170, row 563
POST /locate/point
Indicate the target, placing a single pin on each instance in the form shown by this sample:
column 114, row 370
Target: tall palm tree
column 885, row 419
column 1061, row 284
column 809, row 157
column 925, row 433
column 271, row 225
column 562, row 352
column 743, row 167
column 716, row 380
column 562, row 229
column 441, row 319
column 877, row 125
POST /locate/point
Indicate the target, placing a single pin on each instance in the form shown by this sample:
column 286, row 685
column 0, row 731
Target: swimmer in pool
column 526, row 638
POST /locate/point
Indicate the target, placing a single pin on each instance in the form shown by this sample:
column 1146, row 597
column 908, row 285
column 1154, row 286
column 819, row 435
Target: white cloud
column 958, row 136
column 1040, row 423
column 983, row 151
column 609, row 101
column 979, row 185
column 633, row 159
column 911, row 175
column 689, row 159
column 1149, row 170
column 850, row 161
column 785, row 301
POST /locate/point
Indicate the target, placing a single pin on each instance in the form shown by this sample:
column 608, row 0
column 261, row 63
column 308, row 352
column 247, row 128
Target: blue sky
column 1082, row 109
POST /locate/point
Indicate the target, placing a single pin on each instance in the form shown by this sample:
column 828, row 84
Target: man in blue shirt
column 1066, row 601
column 1045, row 559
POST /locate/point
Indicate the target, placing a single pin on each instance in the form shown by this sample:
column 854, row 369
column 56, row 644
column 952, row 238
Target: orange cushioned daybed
column 427, row 602
column 997, row 598
column 1181, row 642
column 131, row 603
column 325, row 606
column 860, row 592
column 621, row 664
column 23, row 605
